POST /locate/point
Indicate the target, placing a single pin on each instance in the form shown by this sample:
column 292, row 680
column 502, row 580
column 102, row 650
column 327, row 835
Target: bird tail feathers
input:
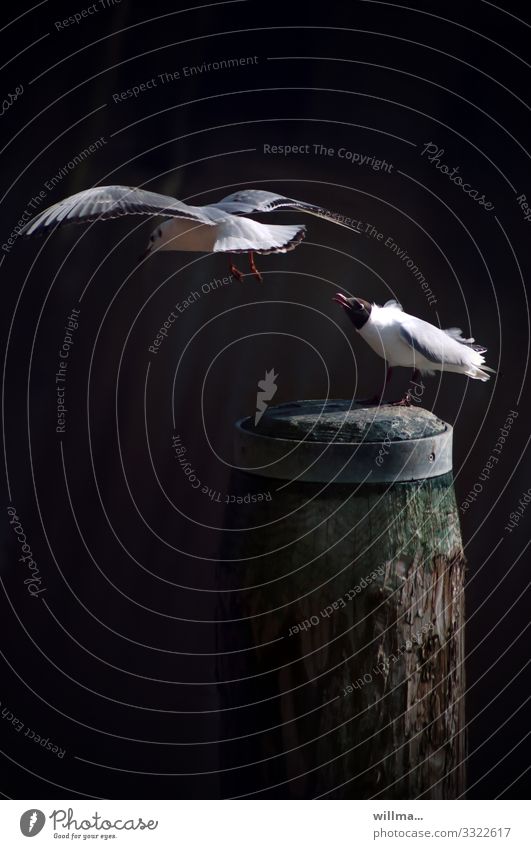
column 284, row 238
column 238, row 235
column 480, row 373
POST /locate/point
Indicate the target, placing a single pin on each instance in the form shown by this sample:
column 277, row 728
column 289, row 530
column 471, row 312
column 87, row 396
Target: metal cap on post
column 337, row 441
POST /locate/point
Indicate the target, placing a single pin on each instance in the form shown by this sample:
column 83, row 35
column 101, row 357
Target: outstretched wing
column 111, row 202
column 255, row 200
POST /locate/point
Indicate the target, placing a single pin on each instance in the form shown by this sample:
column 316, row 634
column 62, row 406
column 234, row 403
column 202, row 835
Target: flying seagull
column 404, row 340
column 218, row 227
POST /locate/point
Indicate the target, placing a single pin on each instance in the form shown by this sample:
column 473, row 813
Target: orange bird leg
column 254, row 269
column 235, row 271
column 407, row 400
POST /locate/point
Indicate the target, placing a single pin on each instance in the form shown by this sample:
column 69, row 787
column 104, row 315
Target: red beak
column 341, row 299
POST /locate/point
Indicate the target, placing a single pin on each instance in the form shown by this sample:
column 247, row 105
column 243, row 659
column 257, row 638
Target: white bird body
column 390, row 331
column 407, row 341
column 178, row 234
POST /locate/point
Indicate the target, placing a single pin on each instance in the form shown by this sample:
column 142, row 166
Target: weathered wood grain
column 366, row 699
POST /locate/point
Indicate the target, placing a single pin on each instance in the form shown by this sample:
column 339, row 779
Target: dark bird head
column 357, row 309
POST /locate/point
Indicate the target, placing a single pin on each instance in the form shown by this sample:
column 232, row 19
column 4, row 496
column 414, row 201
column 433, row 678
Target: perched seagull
column 219, row 227
column 404, row 340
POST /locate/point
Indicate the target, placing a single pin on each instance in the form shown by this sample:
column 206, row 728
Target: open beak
column 341, row 299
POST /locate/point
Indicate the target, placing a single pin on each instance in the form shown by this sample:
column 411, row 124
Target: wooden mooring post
column 341, row 633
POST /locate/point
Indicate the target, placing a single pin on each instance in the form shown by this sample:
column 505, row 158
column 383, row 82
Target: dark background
column 129, row 558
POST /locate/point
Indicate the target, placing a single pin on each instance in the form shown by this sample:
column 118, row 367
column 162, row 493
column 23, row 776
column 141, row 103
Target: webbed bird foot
column 404, row 402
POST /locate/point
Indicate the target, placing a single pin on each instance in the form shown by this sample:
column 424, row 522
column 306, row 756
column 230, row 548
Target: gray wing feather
column 438, row 347
column 419, row 345
column 104, row 202
column 255, row 200
column 393, row 303
column 433, row 344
